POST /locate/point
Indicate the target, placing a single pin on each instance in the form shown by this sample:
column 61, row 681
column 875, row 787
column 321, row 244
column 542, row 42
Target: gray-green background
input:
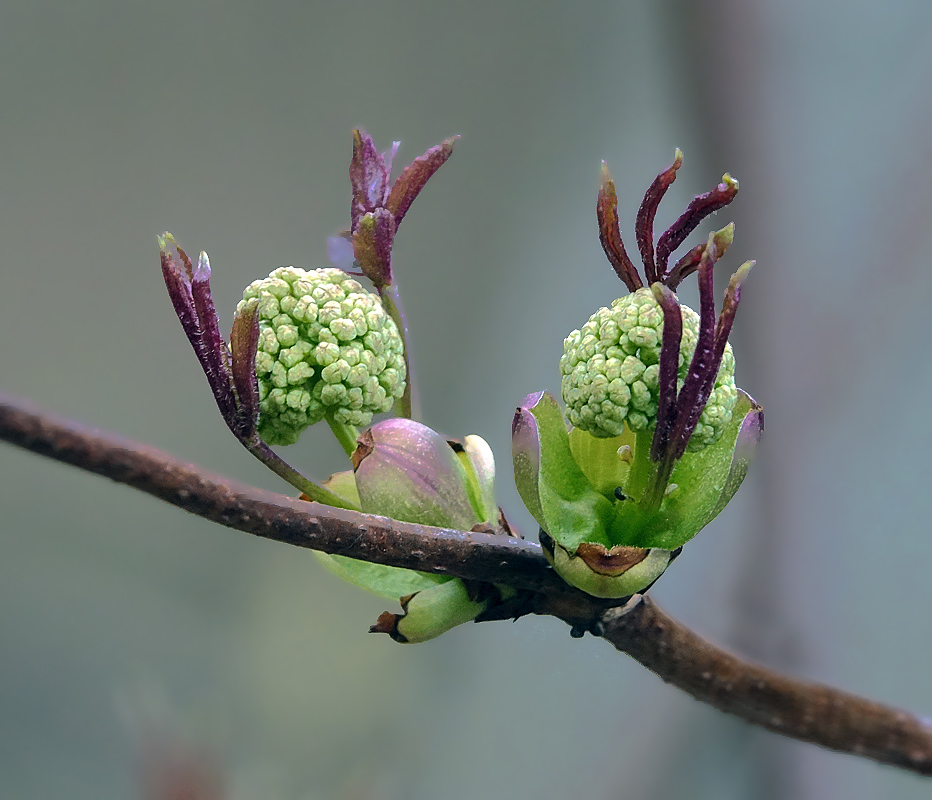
column 229, row 123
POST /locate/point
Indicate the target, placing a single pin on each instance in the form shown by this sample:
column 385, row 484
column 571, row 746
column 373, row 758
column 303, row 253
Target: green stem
column 280, row 467
column 657, row 487
column 408, row 406
column 346, row 435
column 647, row 481
column 641, row 466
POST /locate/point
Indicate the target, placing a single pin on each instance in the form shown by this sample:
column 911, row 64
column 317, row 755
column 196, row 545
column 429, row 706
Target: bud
column 379, row 206
column 406, row 471
column 427, row 614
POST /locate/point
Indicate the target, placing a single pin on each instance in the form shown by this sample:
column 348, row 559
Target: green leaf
column 434, row 611
column 550, row 483
column 388, row 582
column 705, row 481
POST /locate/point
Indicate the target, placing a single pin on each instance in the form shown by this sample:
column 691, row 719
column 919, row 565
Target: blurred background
column 137, row 640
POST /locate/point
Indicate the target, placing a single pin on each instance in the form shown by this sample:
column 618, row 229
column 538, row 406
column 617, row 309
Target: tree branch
column 476, row 556
column 799, row 709
column 802, row 710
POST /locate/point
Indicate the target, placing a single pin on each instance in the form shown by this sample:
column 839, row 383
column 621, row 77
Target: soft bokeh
column 124, row 621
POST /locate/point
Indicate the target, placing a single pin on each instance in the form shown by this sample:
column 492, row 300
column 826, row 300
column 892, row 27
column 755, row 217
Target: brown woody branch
column 802, row 710
column 799, row 709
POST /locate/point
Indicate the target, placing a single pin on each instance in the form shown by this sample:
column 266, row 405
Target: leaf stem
column 648, row 479
column 346, row 435
column 408, row 406
column 284, row 470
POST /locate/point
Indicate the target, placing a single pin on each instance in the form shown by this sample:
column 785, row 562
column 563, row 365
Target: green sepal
column 388, row 582
column 575, row 570
column 343, row 484
column 551, row 484
column 704, row 483
column 749, row 434
column 385, row 581
column 436, row 610
column 605, row 462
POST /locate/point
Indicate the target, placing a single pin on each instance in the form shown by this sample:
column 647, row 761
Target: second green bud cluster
column 611, row 371
column 660, row 436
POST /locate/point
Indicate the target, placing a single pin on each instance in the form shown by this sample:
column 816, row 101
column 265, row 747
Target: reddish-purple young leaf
column 189, row 270
column 644, row 224
column 700, row 207
column 669, row 368
column 179, row 292
column 730, row 306
column 610, row 233
column 217, row 360
column 372, row 246
column 414, row 177
column 189, row 291
column 206, row 312
column 178, row 284
column 697, row 386
column 685, row 267
column 690, row 262
column 369, row 176
column 244, row 341
column 722, row 331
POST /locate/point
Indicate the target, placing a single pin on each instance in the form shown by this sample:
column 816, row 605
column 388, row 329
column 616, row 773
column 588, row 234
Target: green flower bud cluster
column 326, row 348
column 610, row 370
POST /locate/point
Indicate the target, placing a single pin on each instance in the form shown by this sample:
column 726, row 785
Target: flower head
column 325, row 347
column 611, row 370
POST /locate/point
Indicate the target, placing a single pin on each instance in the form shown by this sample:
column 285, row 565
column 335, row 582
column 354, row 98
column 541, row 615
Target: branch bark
column 807, row 711
column 810, row 712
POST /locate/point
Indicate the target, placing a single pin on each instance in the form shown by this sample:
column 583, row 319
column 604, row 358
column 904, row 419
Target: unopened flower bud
column 406, row 471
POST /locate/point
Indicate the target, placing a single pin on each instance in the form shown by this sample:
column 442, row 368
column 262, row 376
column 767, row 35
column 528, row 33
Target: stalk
column 346, row 435
column 284, row 470
column 408, row 405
